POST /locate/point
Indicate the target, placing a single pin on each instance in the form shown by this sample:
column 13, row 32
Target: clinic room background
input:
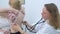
column 33, row 8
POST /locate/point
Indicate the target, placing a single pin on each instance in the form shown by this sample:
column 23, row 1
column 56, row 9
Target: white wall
column 4, row 4
column 33, row 8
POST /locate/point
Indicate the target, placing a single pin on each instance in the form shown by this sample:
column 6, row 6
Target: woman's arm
column 2, row 10
column 5, row 32
column 6, row 10
column 1, row 30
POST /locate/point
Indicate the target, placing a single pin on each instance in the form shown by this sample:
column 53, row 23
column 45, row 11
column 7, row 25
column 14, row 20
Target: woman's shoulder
column 47, row 30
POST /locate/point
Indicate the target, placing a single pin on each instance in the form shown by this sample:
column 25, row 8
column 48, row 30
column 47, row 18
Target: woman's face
column 45, row 13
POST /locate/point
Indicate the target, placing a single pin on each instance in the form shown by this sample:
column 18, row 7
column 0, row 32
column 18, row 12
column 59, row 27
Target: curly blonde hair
column 15, row 4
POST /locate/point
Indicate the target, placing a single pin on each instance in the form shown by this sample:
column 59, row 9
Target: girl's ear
column 10, row 2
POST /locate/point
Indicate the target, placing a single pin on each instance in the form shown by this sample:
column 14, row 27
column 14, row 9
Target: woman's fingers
column 11, row 16
column 6, row 32
column 25, row 22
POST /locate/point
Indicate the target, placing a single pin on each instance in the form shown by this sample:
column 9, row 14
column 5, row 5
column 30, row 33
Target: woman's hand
column 11, row 16
column 5, row 32
column 27, row 24
column 2, row 30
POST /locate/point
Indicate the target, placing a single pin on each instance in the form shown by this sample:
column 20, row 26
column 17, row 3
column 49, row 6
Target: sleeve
column 38, row 27
column 42, row 31
column 47, row 30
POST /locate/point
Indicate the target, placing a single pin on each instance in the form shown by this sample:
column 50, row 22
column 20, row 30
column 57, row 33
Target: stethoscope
column 40, row 21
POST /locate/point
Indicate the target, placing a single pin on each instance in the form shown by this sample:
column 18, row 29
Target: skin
column 45, row 14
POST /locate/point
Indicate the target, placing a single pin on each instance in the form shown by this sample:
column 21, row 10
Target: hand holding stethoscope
column 31, row 28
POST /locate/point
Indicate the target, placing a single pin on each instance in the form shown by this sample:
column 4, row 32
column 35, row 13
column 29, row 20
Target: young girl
column 17, row 19
column 15, row 15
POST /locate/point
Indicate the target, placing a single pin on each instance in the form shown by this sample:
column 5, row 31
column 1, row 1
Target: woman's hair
column 16, row 4
column 53, row 10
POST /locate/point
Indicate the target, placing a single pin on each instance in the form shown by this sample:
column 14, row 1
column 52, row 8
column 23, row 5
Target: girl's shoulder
column 22, row 10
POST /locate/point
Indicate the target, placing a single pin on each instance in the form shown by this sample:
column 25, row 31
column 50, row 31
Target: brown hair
column 16, row 4
column 53, row 10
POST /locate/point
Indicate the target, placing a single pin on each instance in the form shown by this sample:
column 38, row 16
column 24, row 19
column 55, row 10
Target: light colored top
column 4, row 23
column 39, row 26
column 47, row 29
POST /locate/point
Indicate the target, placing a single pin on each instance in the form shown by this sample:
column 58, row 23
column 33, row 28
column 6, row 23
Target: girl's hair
column 53, row 10
column 16, row 4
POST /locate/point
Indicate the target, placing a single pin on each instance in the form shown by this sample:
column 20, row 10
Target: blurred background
column 33, row 9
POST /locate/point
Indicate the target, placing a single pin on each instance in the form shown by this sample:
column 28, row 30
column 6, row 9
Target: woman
column 51, row 15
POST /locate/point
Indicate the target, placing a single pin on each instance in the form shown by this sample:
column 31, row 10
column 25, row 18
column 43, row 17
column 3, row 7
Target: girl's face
column 45, row 13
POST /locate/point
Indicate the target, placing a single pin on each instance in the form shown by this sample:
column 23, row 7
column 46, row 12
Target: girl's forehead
column 13, row 0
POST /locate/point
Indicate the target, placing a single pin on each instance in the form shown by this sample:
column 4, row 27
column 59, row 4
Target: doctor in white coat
column 51, row 15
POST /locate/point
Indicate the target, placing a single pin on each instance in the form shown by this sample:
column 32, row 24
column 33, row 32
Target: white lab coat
column 47, row 29
column 39, row 26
